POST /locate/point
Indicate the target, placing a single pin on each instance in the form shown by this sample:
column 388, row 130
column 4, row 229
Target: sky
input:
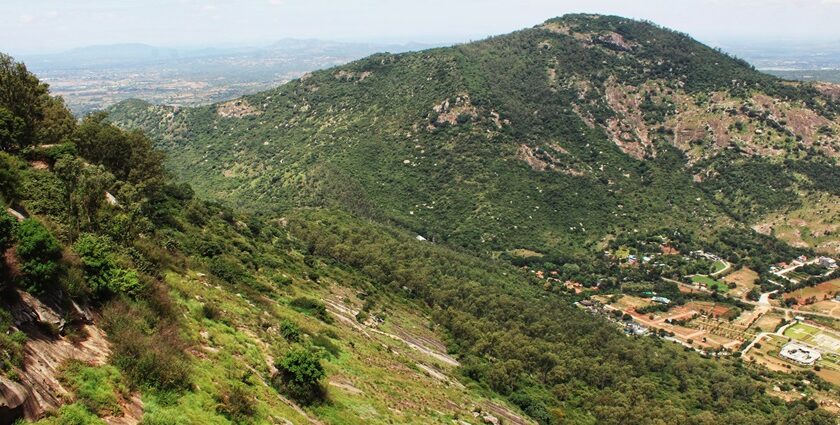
column 42, row 26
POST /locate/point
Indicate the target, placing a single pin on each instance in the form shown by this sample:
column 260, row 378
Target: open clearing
column 821, row 292
column 710, row 283
column 744, row 280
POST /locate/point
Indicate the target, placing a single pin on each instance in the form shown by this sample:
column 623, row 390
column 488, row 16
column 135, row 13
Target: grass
column 710, row 283
column 374, row 384
column 801, row 331
column 718, row 266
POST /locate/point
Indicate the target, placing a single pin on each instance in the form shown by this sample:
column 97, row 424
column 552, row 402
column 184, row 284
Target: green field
column 824, row 340
column 718, row 266
column 801, row 331
column 710, row 283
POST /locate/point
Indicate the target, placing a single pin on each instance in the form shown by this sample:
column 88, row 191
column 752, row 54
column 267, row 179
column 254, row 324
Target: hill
column 553, row 139
column 133, row 298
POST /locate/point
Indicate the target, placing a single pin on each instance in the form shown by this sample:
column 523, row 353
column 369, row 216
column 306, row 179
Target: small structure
column 634, row 328
column 800, row 354
column 420, row 238
column 661, row 300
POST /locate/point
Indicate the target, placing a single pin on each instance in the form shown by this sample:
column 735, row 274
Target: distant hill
column 94, row 78
column 554, row 138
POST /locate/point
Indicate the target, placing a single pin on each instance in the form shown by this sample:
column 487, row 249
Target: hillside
column 555, row 138
column 300, row 293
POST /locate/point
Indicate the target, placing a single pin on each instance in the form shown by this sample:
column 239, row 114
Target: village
column 789, row 324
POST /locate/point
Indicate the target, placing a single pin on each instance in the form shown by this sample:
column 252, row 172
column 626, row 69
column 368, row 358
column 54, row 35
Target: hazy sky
column 29, row 26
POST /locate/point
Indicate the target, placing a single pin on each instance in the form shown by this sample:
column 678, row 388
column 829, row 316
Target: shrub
column 299, row 376
column 39, row 253
column 148, row 351
column 313, row 307
column 290, row 331
column 236, row 403
column 104, row 277
column 11, row 343
column 227, row 270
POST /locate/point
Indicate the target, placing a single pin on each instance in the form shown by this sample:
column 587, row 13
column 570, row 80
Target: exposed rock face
column 236, row 109
column 43, row 321
column 13, row 397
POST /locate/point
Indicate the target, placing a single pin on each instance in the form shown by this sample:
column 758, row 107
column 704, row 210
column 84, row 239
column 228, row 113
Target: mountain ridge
column 543, row 97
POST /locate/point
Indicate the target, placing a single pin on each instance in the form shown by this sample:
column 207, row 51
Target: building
column 828, row 263
column 800, row 354
column 661, row 300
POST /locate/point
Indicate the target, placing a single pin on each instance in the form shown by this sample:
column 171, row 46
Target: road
column 792, row 311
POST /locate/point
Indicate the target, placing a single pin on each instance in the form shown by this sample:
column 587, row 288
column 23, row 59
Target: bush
column 11, row 344
column 313, row 307
column 39, row 253
column 290, row 331
column 102, row 274
column 227, row 270
column 236, row 403
column 148, row 351
column 299, row 376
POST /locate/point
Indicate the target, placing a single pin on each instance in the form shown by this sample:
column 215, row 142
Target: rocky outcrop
column 13, row 397
column 45, row 319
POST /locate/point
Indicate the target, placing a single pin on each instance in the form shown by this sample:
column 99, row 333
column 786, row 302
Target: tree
column 23, row 95
column 11, row 129
column 7, row 234
column 130, row 156
column 299, row 375
column 39, row 253
column 9, row 179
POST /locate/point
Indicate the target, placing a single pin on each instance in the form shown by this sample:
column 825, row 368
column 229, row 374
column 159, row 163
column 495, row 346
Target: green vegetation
column 300, row 376
column 212, row 314
column 39, row 253
column 712, row 284
column 96, row 388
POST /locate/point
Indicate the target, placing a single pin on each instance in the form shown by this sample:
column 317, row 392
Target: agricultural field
column 744, row 280
column 710, row 283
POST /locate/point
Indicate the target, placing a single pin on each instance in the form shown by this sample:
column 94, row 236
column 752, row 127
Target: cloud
column 27, row 19
column 276, row 2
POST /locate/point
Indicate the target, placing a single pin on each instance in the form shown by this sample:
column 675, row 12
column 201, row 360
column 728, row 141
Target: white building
column 828, row 262
column 799, row 353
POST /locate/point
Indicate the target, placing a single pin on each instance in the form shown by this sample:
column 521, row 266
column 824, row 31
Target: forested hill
column 126, row 298
column 552, row 138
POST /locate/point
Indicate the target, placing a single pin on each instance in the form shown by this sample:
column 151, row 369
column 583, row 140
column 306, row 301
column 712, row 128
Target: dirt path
column 348, row 316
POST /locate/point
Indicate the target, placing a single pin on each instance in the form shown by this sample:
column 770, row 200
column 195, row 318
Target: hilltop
column 553, row 139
